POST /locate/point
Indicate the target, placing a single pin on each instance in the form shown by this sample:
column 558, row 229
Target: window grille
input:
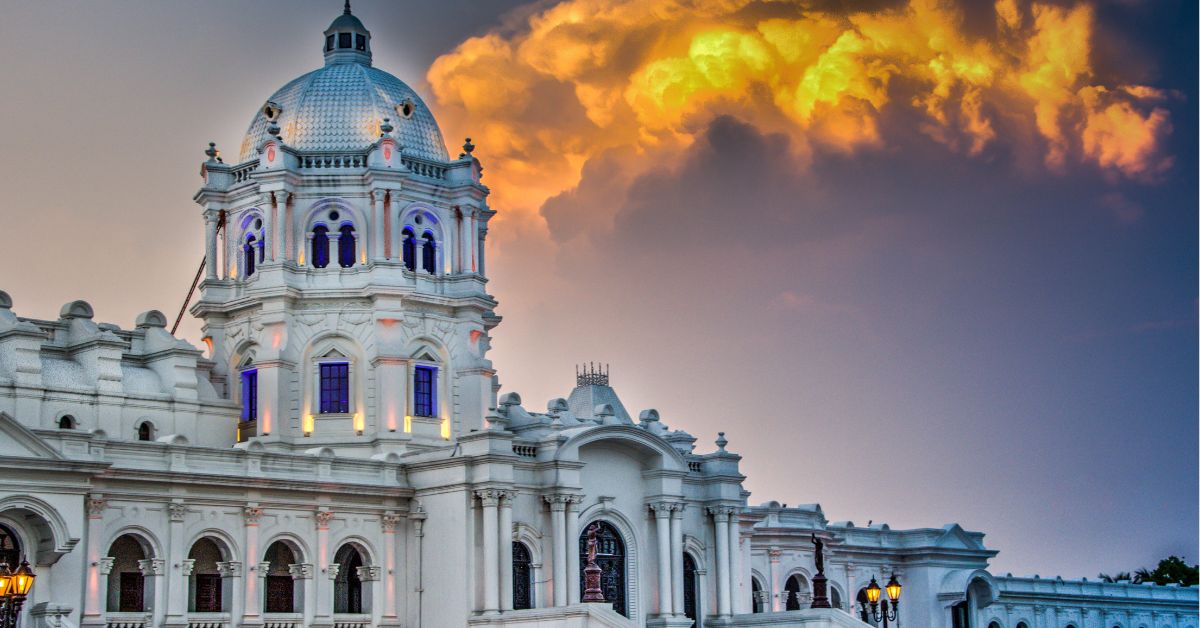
column 424, row 391
column 335, row 388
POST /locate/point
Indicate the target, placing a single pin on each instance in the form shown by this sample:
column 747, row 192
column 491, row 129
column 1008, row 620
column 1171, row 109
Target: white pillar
column 335, row 244
column 95, row 600
column 662, row 521
column 252, row 514
column 506, row 556
column 471, row 243
column 491, row 556
column 721, row 517
column 562, row 545
column 572, row 553
column 387, row 525
column 735, row 555
column 773, row 554
column 211, row 218
column 390, row 226
column 279, row 226
column 419, row 254
column 677, row 559
column 377, row 223
column 323, row 582
column 176, row 577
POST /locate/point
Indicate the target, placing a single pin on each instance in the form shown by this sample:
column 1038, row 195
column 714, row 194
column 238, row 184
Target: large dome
column 340, row 107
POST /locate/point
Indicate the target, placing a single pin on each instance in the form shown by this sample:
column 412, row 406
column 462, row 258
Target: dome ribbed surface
column 339, row 108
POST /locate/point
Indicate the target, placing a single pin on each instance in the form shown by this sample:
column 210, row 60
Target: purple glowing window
column 425, row 391
column 320, row 247
column 250, row 395
column 335, row 388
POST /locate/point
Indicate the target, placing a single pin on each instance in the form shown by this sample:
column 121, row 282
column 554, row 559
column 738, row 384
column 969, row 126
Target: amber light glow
column 873, row 591
column 893, row 589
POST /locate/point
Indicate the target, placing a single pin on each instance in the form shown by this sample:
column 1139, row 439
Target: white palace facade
column 339, row 454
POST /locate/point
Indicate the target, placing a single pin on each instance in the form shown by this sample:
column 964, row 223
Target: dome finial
column 347, row 10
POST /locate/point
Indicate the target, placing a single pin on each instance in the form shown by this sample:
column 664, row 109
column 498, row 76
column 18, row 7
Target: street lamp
column 888, row 614
column 14, row 588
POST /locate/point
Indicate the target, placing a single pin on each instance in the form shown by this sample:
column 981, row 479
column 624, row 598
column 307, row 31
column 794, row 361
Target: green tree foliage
column 1172, row 569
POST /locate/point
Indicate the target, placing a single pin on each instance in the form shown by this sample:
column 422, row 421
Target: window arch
column 346, row 248
column 1022, row 625
column 127, row 586
column 66, row 422
column 279, row 592
column 610, row 558
column 145, row 431
column 522, row 576
column 348, row 595
column 757, row 603
column 409, row 248
column 994, row 624
column 690, row 596
column 206, row 592
column 794, row 590
column 250, row 255
column 320, row 246
column 835, row 597
column 429, row 254
column 10, row 547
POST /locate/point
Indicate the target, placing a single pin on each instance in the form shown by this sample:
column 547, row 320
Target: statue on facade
column 591, row 572
column 819, row 582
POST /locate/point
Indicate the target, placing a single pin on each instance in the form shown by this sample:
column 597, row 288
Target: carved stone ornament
column 252, row 514
column 389, row 521
column 301, row 571
column 323, row 518
column 369, row 573
column 152, row 566
column 332, row 570
column 264, row 569
column 96, row 506
column 231, row 569
column 176, row 511
column 187, row 566
column 105, row 565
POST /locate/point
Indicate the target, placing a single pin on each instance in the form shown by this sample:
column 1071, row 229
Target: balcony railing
column 208, row 620
column 351, row 621
column 127, row 620
column 283, row 620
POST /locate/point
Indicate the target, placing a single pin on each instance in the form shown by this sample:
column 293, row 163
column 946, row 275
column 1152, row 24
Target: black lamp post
column 888, row 614
column 14, row 588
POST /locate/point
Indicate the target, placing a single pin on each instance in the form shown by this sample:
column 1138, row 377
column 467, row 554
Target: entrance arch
column 690, row 609
column 610, row 558
column 10, row 547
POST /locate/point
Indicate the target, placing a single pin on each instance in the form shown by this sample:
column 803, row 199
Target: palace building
column 339, row 453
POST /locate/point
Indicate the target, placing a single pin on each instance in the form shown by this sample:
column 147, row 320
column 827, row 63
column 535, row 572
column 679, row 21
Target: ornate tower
column 344, row 296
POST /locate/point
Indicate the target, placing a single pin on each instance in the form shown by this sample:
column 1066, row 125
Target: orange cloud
column 585, row 76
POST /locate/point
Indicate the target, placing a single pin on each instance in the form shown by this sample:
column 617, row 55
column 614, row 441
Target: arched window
column 249, row 392
column 835, row 597
column 205, row 585
column 10, row 548
column 791, row 592
column 346, row 253
column 249, row 254
column 522, row 577
column 67, row 422
column 994, row 624
column 429, row 254
column 348, row 587
column 126, row 584
column 689, row 587
column 610, row 558
column 279, row 594
column 1025, row 625
column 145, row 431
column 756, row 596
column 409, row 247
column 320, row 246
column 960, row 614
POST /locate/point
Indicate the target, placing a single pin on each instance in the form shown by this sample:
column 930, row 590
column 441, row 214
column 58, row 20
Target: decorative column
column 572, row 553
column 323, row 586
column 471, row 243
column 393, row 214
column 380, row 197
column 662, row 522
column 721, row 518
column 211, row 218
column 481, row 265
column 387, row 525
column 419, row 254
column 491, row 557
column 252, row 514
column 152, row 571
column 506, row 557
column 280, row 226
column 335, row 249
column 677, row 558
column 773, row 555
column 95, row 599
column 176, row 576
column 562, row 546
column 735, row 555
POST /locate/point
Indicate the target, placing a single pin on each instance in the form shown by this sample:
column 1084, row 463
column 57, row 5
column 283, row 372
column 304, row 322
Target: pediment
column 18, row 441
column 955, row 537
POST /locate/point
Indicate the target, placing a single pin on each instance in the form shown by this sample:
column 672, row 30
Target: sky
column 922, row 262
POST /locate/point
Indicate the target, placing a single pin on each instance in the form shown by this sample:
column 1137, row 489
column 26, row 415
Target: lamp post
column 887, row 614
column 14, row 588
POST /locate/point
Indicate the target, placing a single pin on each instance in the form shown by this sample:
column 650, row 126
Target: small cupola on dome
column 347, row 40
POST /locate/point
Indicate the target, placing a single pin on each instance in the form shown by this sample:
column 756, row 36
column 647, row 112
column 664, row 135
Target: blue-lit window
column 346, row 252
column 410, row 250
column 335, row 388
column 425, row 391
column 250, row 395
column 429, row 254
column 250, row 254
column 320, row 247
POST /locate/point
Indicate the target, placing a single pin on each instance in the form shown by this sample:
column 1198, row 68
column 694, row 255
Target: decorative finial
column 212, row 151
column 347, row 11
column 468, row 147
column 386, row 128
column 721, row 442
column 273, row 129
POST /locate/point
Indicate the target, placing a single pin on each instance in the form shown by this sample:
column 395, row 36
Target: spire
column 347, row 9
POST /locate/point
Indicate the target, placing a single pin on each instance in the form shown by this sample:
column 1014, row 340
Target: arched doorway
column 835, row 598
column 348, row 587
column 205, row 594
column 522, row 563
column 279, row 594
column 795, row 590
column 126, row 584
column 756, row 596
column 610, row 558
column 689, row 588
column 10, row 547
